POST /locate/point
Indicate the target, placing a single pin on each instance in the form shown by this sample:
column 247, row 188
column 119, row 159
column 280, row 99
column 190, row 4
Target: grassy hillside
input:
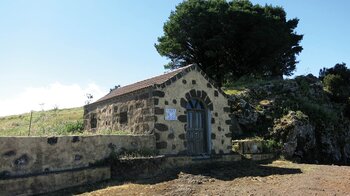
column 51, row 122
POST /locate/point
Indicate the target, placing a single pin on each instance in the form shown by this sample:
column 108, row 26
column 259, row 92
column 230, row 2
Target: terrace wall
column 21, row 156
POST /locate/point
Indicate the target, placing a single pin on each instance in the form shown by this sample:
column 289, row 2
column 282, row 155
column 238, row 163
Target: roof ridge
column 165, row 73
column 159, row 79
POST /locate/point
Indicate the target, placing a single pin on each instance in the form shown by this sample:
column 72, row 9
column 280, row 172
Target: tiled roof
column 142, row 84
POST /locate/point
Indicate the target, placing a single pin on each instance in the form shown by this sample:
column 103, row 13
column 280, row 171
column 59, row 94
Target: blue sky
column 52, row 51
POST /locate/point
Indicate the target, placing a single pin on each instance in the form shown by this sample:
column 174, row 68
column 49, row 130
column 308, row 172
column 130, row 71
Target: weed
column 235, row 147
column 259, row 108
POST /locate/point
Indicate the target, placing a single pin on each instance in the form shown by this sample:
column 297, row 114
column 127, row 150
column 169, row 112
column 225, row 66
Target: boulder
column 297, row 135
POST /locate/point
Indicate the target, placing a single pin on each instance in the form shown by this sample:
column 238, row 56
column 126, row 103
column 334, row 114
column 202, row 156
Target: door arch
column 196, row 130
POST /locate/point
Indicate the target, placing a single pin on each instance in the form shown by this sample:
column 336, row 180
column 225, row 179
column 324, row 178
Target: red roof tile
column 142, row 84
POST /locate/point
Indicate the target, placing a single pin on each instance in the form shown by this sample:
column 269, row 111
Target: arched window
column 195, row 104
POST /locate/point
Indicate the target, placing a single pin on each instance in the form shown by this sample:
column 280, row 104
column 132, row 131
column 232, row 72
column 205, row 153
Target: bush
column 74, row 127
column 336, row 81
column 337, row 87
column 338, row 69
column 303, row 83
column 318, row 112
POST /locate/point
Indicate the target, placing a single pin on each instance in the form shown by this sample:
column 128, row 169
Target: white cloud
column 48, row 97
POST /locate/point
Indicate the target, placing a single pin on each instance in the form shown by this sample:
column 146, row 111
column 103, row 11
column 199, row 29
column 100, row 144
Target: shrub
column 336, row 81
column 336, row 86
column 74, row 127
column 317, row 112
column 338, row 69
column 303, row 84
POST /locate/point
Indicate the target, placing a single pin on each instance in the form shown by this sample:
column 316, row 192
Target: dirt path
column 244, row 178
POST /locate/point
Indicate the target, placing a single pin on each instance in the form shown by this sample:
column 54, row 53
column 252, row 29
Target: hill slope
column 51, row 122
column 297, row 114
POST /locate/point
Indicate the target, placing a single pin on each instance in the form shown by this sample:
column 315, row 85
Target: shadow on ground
column 225, row 172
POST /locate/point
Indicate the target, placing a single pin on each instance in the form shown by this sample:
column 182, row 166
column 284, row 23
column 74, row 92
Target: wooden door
column 196, row 129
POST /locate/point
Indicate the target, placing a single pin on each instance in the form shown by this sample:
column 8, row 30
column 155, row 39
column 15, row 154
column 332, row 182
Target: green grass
column 51, row 122
column 54, row 122
column 245, row 82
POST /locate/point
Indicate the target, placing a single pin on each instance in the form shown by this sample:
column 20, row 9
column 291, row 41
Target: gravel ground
column 241, row 178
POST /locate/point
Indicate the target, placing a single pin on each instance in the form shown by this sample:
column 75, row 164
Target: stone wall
column 175, row 93
column 39, row 184
column 248, row 146
column 137, row 106
column 146, row 112
column 35, row 155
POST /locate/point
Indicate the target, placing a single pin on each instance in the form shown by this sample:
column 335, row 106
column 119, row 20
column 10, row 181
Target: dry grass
column 49, row 122
column 233, row 91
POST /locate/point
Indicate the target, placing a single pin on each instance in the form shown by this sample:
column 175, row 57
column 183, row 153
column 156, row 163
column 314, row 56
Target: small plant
column 300, row 115
column 259, row 108
column 74, row 127
column 235, row 147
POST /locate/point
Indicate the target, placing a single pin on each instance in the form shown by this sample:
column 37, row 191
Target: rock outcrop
column 296, row 134
column 299, row 115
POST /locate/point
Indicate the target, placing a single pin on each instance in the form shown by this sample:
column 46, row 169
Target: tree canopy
column 229, row 39
column 336, row 81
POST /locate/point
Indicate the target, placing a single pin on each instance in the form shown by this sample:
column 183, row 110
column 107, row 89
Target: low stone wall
column 252, row 149
column 248, row 146
column 32, row 185
column 259, row 157
column 22, row 156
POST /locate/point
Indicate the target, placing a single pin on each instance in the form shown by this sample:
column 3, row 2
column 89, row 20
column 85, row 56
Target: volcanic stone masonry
column 158, row 106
